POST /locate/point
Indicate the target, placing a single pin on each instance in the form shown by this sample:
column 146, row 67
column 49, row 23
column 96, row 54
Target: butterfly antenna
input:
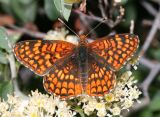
column 68, row 27
column 104, row 19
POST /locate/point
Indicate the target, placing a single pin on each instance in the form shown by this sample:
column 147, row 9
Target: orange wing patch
column 101, row 80
column 40, row 55
column 114, row 50
column 63, row 81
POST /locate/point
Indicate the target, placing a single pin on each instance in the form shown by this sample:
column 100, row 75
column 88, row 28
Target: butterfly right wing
column 64, row 80
column 40, row 55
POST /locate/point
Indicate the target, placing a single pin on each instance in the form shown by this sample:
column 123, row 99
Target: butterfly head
column 83, row 39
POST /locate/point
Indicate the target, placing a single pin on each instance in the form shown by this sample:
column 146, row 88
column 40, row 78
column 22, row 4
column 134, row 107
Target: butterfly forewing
column 41, row 55
column 115, row 50
column 64, row 80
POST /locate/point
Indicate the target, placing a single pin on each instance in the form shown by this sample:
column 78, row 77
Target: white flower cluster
column 38, row 105
column 122, row 97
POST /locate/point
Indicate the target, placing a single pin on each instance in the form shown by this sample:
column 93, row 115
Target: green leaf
column 15, row 37
column 4, row 40
column 64, row 9
column 51, row 10
column 3, row 58
column 155, row 103
column 24, row 11
column 6, row 87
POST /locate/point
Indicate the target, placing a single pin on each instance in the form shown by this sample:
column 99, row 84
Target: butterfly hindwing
column 40, row 55
column 101, row 80
column 63, row 80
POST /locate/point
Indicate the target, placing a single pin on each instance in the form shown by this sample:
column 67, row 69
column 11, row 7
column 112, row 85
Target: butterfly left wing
column 115, row 50
column 40, row 55
column 64, row 80
column 101, row 80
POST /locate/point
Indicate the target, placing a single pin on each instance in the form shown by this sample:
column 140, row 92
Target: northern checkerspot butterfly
column 70, row 70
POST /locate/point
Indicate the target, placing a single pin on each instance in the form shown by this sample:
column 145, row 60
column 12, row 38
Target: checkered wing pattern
column 40, row 55
column 115, row 50
column 63, row 80
column 101, row 80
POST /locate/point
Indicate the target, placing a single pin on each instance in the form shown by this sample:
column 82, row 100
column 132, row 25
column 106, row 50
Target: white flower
column 41, row 105
column 110, row 97
column 116, row 110
column 12, row 100
column 127, row 103
column 101, row 111
column 3, row 107
column 56, row 35
column 117, row 1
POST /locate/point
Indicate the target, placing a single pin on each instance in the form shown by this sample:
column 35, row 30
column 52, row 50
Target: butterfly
column 71, row 70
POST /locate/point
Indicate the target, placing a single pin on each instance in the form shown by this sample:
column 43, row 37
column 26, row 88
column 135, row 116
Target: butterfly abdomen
column 83, row 64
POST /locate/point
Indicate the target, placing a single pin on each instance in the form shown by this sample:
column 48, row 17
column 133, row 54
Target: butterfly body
column 70, row 70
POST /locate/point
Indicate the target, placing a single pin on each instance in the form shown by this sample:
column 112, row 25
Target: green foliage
column 155, row 103
column 146, row 113
column 80, row 111
column 153, row 107
column 130, row 14
column 6, row 87
column 3, row 58
column 64, row 9
column 23, row 10
column 4, row 40
column 51, row 10
column 154, row 53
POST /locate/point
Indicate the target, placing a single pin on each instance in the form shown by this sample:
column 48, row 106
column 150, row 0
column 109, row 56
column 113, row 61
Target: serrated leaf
column 64, row 9
column 51, row 10
column 71, row 1
column 6, row 87
column 4, row 40
column 155, row 103
column 3, row 58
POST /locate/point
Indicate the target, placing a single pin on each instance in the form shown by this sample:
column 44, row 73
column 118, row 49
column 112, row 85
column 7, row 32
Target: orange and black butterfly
column 70, row 70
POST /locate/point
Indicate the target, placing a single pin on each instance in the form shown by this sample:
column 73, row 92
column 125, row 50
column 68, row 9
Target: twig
column 149, row 8
column 151, row 34
column 91, row 17
column 146, row 22
column 155, row 68
column 28, row 32
column 132, row 27
column 102, row 9
column 12, row 64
